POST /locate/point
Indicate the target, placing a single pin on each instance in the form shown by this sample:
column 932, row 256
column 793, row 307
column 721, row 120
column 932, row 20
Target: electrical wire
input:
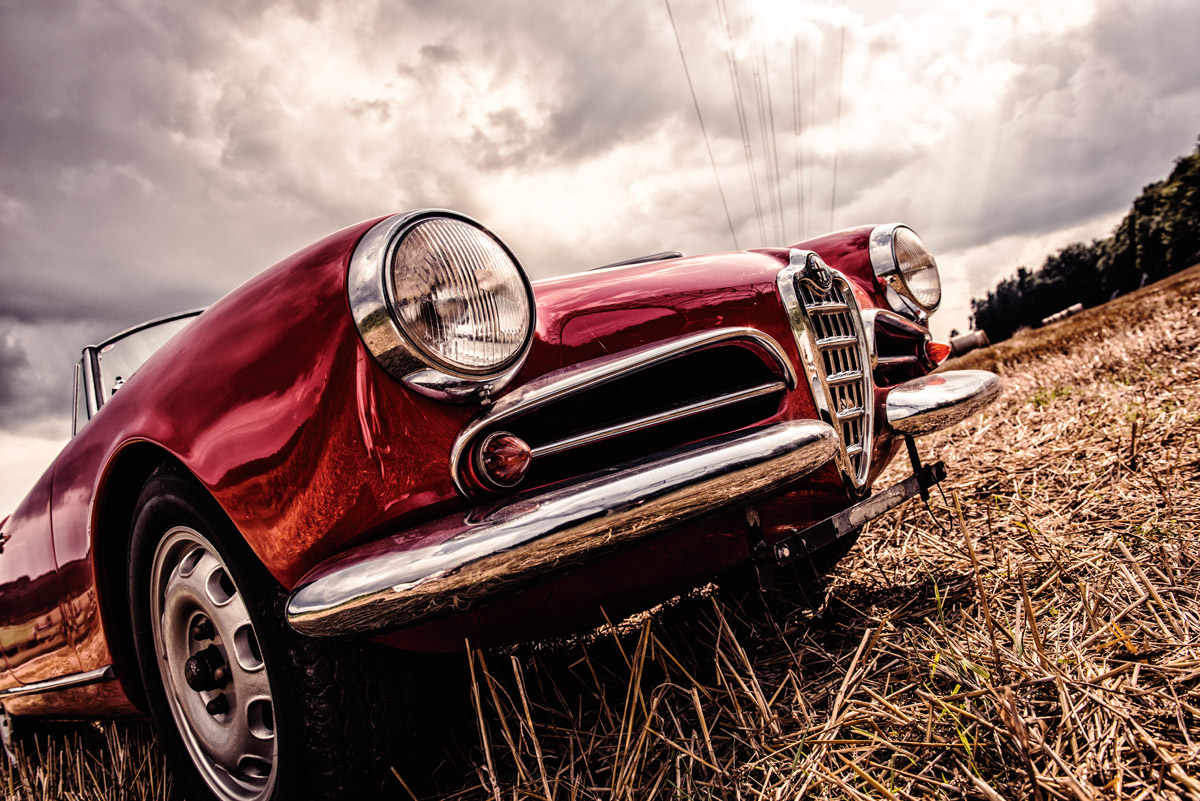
column 837, row 131
column 703, row 129
column 766, row 118
column 798, row 125
column 774, row 142
column 743, row 125
column 810, row 197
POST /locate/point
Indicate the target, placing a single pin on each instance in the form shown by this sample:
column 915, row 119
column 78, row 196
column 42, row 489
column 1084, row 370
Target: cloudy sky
column 155, row 155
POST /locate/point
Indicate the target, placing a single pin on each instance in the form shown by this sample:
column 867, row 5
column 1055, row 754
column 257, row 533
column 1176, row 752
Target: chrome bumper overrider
column 488, row 552
column 940, row 400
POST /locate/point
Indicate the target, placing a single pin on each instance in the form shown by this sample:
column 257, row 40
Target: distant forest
column 1159, row 236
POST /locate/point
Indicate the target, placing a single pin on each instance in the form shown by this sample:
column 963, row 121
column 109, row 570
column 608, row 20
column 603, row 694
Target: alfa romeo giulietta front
column 638, row 429
column 393, row 435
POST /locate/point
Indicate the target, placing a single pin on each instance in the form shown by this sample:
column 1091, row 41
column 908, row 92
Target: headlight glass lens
column 460, row 297
column 917, row 269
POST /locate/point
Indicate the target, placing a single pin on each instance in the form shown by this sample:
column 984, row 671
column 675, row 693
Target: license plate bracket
column 846, row 522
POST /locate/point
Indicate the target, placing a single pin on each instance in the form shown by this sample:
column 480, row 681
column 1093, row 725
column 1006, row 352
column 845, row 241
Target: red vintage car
column 394, row 436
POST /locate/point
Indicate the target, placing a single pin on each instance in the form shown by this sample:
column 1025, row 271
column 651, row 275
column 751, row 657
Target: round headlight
column 906, row 267
column 441, row 303
column 459, row 296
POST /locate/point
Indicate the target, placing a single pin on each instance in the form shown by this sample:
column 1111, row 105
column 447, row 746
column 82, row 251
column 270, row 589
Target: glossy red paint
column 272, row 402
column 76, row 471
column 33, row 627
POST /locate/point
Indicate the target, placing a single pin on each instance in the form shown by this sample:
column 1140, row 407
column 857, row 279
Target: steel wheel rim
column 235, row 751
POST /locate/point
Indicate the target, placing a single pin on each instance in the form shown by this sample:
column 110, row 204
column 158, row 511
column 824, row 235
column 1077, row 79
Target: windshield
column 120, row 357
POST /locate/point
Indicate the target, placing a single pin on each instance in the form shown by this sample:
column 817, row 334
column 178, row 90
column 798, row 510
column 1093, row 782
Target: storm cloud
column 153, row 156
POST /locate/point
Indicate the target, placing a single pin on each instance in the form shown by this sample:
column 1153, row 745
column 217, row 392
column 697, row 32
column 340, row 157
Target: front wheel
column 245, row 708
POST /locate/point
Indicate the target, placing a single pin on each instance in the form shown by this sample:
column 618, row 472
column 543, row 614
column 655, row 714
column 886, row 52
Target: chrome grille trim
column 848, row 377
column 581, row 377
column 679, row 413
column 828, row 308
column 833, row 345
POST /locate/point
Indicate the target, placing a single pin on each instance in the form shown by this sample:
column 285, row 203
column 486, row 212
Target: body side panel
column 33, row 628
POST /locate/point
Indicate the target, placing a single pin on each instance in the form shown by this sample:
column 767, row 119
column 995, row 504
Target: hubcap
column 212, row 667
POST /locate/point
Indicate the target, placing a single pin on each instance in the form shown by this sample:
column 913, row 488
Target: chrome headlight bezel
column 890, row 273
column 374, row 307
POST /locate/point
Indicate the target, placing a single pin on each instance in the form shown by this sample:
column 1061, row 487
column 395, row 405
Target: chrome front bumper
column 485, row 553
column 488, row 552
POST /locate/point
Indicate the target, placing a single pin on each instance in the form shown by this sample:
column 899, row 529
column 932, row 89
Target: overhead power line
column 769, row 176
column 761, row 74
column 687, row 73
column 798, row 125
column 774, row 140
column 809, row 195
column 837, row 131
column 743, row 125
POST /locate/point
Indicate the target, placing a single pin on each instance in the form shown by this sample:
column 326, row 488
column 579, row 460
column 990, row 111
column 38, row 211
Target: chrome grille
column 593, row 415
column 830, row 336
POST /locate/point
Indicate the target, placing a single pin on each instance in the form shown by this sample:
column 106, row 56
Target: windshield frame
column 90, row 372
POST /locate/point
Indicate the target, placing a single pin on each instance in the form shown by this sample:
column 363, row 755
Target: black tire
column 322, row 730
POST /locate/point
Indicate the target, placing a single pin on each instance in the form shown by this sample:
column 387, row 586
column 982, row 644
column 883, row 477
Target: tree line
column 1159, row 236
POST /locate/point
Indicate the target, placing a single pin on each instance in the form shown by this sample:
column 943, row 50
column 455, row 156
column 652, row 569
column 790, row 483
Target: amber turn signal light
column 936, row 352
column 503, row 459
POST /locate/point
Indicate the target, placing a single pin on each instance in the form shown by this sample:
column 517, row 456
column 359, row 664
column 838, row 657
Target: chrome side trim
column 580, row 377
column 663, row 256
column 369, row 292
column 107, row 673
column 489, row 552
column 819, row 382
column 628, row 427
column 940, row 400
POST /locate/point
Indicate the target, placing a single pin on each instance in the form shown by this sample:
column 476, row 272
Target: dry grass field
column 1033, row 633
